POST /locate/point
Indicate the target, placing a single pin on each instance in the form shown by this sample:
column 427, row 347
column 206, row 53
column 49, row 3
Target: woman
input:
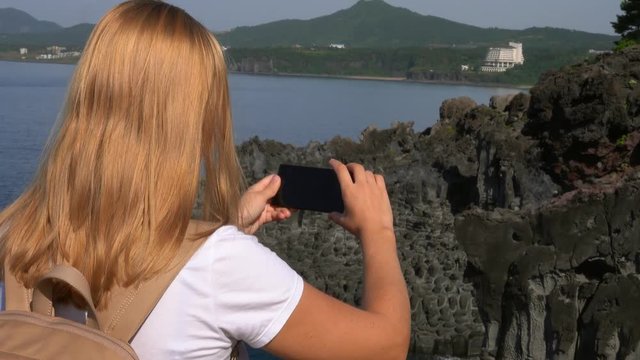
column 147, row 110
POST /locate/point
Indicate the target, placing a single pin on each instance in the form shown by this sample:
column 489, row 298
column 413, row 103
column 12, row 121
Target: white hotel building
column 503, row 59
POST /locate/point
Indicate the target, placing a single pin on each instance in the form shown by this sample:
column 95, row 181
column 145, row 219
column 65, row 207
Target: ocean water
column 295, row 110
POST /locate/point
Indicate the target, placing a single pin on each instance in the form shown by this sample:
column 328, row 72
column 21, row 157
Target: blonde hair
column 147, row 109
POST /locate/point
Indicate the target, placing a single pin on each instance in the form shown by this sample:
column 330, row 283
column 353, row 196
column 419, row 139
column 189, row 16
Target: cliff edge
column 517, row 223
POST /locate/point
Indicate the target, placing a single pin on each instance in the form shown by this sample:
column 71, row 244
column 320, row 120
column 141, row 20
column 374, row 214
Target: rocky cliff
column 517, row 223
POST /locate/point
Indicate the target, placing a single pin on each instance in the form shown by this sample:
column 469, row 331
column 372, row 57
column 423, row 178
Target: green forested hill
column 14, row 21
column 376, row 24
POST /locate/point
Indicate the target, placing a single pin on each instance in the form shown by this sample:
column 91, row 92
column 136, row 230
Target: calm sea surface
column 289, row 109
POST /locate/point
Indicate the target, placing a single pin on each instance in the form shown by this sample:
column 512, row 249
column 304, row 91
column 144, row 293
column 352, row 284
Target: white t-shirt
column 233, row 288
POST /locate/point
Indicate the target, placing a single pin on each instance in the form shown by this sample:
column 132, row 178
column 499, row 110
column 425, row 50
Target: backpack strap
column 129, row 307
column 42, row 302
column 17, row 297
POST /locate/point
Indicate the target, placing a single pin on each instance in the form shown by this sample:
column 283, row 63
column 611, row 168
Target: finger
column 275, row 215
column 371, row 179
column 344, row 178
column 282, row 213
column 358, row 172
column 262, row 184
column 285, row 213
column 337, row 218
column 278, row 210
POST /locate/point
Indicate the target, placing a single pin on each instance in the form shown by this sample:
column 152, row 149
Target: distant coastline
column 390, row 79
column 324, row 76
column 67, row 61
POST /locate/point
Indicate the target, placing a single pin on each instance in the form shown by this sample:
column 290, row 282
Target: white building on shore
column 57, row 53
column 503, row 59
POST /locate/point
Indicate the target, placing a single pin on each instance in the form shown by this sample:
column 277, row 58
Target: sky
column 586, row 15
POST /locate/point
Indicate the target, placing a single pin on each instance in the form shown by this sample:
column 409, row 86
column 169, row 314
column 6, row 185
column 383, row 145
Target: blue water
column 297, row 110
column 288, row 109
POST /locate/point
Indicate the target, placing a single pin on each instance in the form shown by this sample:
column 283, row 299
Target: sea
column 295, row 110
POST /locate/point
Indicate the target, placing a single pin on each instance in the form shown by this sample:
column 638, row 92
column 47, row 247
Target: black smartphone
column 309, row 188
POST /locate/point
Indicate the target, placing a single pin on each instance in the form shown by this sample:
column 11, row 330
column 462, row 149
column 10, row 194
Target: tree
column 628, row 24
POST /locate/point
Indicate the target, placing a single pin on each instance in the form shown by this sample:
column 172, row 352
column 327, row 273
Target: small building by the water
column 56, row 50
column 599, row 52
column 57, row 53
column 24, row 51
column 503, row 59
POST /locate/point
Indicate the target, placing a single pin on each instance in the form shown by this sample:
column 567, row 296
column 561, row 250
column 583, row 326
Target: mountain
column 14, row 21
column 374, row 23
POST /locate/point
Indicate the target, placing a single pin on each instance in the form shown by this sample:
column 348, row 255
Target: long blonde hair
column 147, row 109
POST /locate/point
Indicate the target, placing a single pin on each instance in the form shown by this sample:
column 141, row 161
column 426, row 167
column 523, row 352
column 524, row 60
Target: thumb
column 271, row 188
column 262, row 184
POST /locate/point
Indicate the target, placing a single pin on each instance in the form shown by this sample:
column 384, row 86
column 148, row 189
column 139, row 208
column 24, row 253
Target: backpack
column 29, row 329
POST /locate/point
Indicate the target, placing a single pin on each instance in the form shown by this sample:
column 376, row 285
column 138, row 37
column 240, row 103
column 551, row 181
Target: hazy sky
column 587, row 15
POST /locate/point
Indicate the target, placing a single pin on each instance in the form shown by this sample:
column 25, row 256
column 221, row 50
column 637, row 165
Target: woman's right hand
column 367, row 209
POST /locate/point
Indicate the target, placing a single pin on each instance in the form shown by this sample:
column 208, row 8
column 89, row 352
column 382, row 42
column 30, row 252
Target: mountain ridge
column 375, row 23
column 14, row 21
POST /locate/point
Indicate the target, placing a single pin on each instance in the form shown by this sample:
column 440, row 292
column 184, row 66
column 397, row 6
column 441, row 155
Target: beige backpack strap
column 129, row 308
column 17, row 297
column 43, row 292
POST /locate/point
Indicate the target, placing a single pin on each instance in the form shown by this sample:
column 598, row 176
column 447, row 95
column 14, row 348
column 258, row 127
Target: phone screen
column 309, row 188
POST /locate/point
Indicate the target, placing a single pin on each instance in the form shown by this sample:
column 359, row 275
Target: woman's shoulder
column 226, row 239
column 214, row 232
column 231, row 259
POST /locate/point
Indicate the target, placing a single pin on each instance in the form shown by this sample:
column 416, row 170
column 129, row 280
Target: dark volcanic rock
column 587, row 117
column 541, row 274
column 500, row 102
column 517, row 223
column 454, row 109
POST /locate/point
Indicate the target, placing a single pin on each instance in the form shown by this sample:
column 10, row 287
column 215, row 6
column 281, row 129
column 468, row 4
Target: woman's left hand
column 255, row 209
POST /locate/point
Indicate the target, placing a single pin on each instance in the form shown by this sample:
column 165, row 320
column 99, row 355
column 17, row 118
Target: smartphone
column 309, row 188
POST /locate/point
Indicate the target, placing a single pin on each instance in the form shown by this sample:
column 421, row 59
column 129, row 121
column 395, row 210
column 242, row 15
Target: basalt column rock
column 546, row 279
